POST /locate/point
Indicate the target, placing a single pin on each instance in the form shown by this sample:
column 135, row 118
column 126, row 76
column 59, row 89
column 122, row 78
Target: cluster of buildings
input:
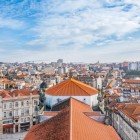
column 58, row 96
column 72, row 120
column 18, row 110
column 134, row 66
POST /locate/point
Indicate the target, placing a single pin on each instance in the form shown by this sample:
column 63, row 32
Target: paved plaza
column 16, row 136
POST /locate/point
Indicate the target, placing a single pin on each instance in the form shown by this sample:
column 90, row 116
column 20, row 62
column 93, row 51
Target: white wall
column 90, row 100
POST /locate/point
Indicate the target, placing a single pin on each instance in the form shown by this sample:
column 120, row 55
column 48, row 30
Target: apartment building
column 18, row 110
column 126, row 120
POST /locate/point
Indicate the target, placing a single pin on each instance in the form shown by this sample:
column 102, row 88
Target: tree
column 42, row 99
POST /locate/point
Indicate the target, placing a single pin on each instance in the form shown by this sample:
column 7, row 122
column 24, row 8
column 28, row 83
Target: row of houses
column 18, row 110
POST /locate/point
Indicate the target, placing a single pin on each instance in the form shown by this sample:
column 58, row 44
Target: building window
column 10, row 113
column 58, row 100
column 5, row 106
column 16, row 104
column 27, row 103
column 10, row 105
column 27, row 111
column 25, row 120
column 4, row 114
column 16, row 112
column 35, row 102
column 22, row 112
column 22, row 103
column 84, row 100
column 28, row 119
column 21, row 120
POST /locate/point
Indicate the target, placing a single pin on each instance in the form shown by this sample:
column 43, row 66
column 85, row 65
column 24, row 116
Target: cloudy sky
column 75, row 30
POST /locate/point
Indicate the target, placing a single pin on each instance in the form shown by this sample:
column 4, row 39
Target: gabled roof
column 23, row 92
column 6, row 94
column 130, row 110
column 131, row 81
column 71, row 87
column 72, row 124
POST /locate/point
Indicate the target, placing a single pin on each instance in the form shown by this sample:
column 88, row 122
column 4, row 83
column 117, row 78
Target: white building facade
column 71, row 88
column 126, row 127
column 90, row 100
column 18, row 113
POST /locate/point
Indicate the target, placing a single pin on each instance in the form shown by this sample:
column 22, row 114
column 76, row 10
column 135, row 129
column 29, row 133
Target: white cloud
column 113, row 52
column 83, row 22
column 11, row 23
column 82, row 30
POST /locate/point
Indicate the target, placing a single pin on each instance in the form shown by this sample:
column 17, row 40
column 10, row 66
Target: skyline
column 76, row 31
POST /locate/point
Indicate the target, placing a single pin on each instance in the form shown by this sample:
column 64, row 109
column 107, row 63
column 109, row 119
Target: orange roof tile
column 72, row 124
column 130, row 110
column 50, row 113
column 22, row 92
column 71, row 87
column 5, row 94
column 131, row 81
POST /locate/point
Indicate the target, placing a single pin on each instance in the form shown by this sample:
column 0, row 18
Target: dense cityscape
column 36, row 96
column 69, row 69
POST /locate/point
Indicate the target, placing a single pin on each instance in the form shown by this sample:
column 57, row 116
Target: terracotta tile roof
column 23, row 75
column 6, row 81
column 5, row 94
column 89, row 129
column 61, row 105
column 72, row 124
column 130, row 110
column 131, row 81
column 94, row 113
column 71, row 87
column 56, row 128
column 50, row 113
column 22, row 92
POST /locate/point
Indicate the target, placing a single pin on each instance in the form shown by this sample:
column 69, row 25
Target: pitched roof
column 131, row 81
column 71, row 87
column 72, row 124
column 23, row 92
column 130, row 110
column 50, row 113
column 6, row 94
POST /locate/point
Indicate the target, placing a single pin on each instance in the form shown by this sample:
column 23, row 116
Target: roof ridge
column 134, row 112
column 81, row 87
column 70, row 118
column 60, row 102
column 79, row 82
column 72, row 98
column 71, row 87
column 65, row 83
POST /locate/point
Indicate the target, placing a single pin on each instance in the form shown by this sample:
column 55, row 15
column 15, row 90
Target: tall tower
column 1, row 113
column 59, row 62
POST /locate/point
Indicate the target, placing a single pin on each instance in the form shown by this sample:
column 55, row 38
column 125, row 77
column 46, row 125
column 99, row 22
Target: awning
column 8, row 126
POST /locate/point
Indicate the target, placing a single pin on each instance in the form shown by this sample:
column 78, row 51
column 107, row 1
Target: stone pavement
column 16, row 136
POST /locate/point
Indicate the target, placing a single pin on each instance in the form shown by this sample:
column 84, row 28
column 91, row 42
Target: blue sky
column 75, row 30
